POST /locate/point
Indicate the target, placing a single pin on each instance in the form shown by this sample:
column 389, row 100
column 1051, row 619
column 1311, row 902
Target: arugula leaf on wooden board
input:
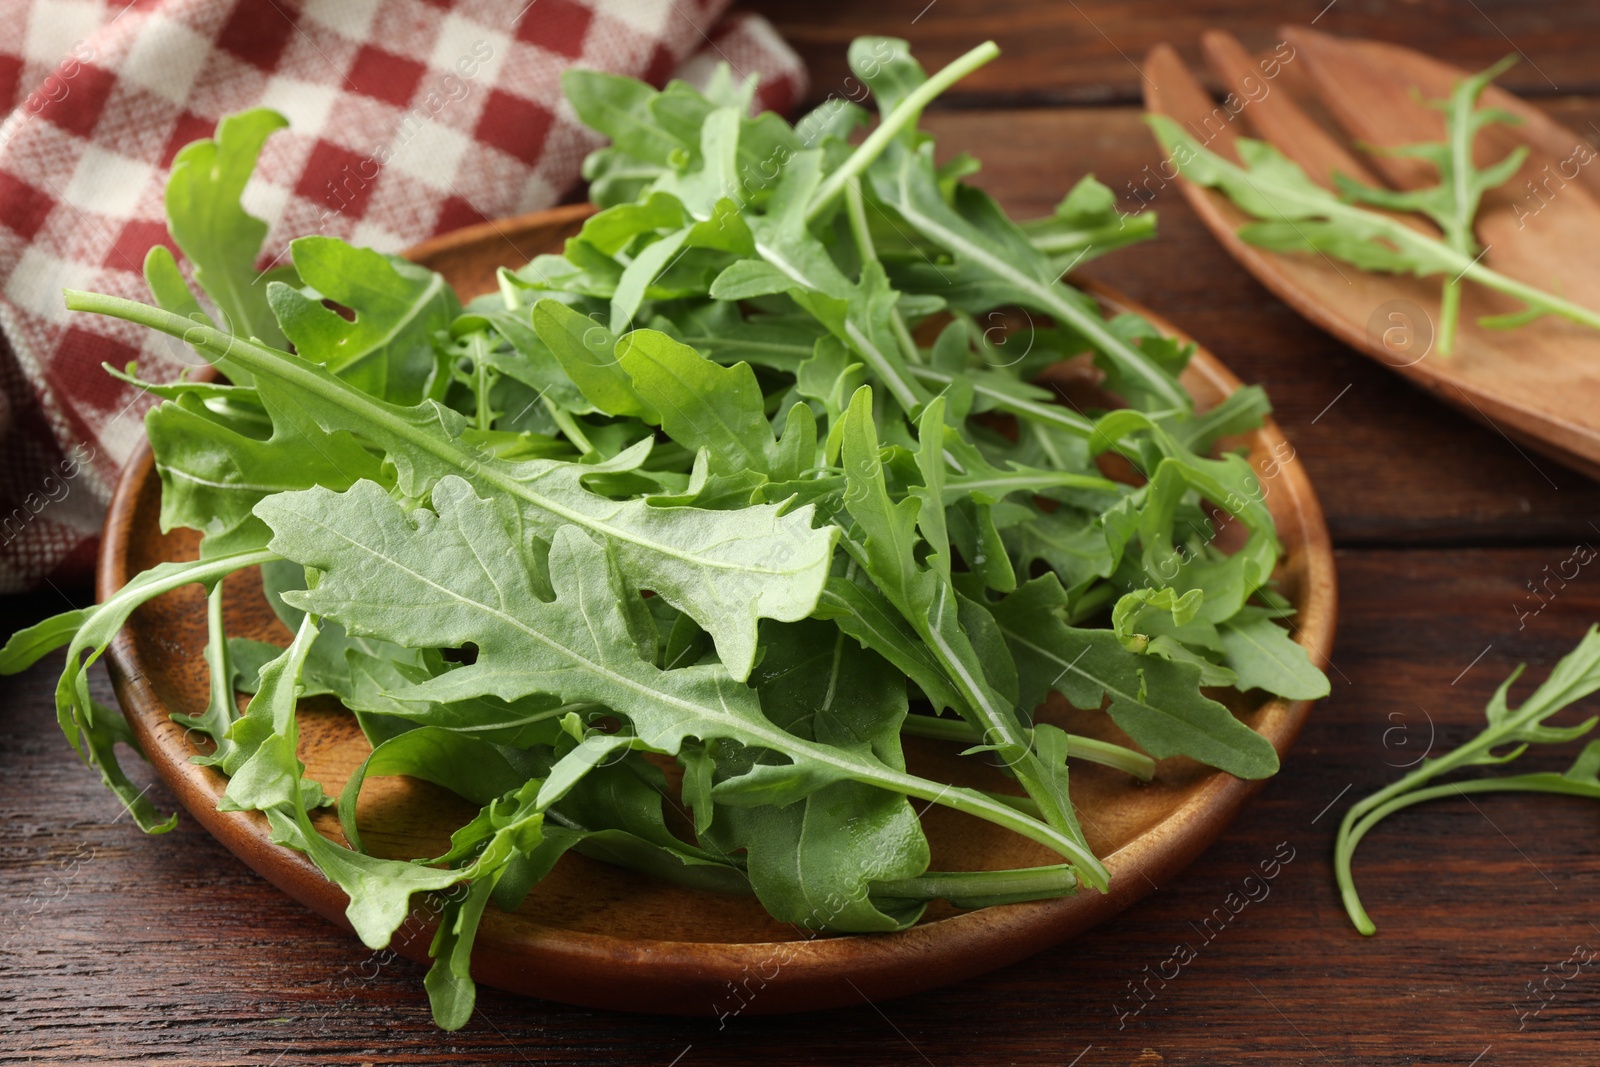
column 1295, row 214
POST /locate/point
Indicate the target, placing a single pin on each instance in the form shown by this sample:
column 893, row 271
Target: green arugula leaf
column 812, row 861
column 388, row 349
column 725, row 573
column 1156, row 701
column 1575, row 677
column 1299, row 215
column 703, row 405
column 1263, row 656
column 1085, row 225
column 212, row 474
column 210, row 225
column 91, row 727
column 988, row 246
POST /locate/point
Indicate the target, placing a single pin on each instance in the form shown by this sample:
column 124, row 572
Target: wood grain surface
column 117, row 948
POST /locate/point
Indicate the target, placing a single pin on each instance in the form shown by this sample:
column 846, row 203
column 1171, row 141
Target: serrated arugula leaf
column 702, row 405
column 586, row 350
column 1085, row 225
column 91, row 727
column 990, row 248
column 458, row 574
column 1574, row 678
column 388, row 348
column 619, row 107
column 1263, row 656
column 726, row 573
column 210, row 225
column 812, row 861
column 1297, row 214
column 794, row 262
column 212, row 474
column 1156, row 701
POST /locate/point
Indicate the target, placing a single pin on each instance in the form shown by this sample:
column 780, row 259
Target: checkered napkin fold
column 407, row 119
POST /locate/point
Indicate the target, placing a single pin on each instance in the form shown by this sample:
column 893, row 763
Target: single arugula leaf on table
column 1574, row 678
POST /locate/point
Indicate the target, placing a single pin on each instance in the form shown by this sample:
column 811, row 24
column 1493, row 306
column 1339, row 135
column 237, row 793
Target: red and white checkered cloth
column 102, row 95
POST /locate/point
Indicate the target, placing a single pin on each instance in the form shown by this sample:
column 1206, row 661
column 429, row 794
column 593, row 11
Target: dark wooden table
column 115, row 947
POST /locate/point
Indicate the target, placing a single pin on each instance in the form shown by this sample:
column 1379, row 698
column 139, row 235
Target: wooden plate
column 598, row 935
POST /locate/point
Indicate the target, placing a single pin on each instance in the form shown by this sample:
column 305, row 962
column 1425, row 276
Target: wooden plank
column 1087, row 52
column 119, row 947
column 1391, row 464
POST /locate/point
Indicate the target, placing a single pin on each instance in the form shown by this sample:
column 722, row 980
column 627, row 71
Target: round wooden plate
column 599, row 935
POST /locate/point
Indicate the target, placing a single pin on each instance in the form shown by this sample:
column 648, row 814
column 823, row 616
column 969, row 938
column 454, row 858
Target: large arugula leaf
column 1157, row 701
column 813, row 862
column 388, row 347
column 210, row 225
column 459, row 575
column 725, row 571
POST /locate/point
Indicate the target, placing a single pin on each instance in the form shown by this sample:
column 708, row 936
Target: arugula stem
column 1353, row 828
column 568, row 426
column 856, row 209
column 1126, row 229
column 1449, row 315
column 220, row 710
column 959, row 798
column 1538, row 298
column 1001, row 729
column 989, row 887
column 904, row 115
column 1051, row 299
column 1089, row 749
column 483, row 417
column 1053, row 415
column 887, row 368
column 1026, row 805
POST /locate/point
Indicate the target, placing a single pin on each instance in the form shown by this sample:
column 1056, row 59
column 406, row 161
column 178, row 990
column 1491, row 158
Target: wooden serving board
column 1537, row 384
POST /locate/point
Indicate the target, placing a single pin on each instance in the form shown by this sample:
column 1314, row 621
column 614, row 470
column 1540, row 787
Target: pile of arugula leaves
column 741, row 479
